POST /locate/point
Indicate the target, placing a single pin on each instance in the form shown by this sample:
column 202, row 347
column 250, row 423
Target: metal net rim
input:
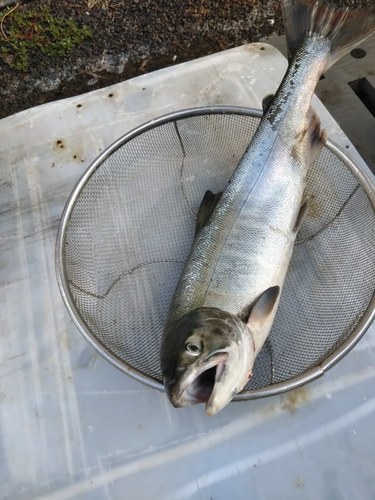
column 61, row 271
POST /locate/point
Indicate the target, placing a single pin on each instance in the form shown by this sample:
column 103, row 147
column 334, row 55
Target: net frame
column 362, row 184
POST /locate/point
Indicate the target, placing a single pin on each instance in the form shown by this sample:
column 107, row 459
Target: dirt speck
column 269, row 409
column 58, row 145
column 294, row 399
column 314, row 207
column 299, row 482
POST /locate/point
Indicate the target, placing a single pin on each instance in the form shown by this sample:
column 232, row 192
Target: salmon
column 228, row 294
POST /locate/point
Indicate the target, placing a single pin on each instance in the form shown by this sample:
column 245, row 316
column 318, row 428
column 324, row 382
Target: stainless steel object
column 128, row 225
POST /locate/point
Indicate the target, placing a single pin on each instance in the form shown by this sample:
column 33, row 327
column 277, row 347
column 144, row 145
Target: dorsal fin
column 209, row 202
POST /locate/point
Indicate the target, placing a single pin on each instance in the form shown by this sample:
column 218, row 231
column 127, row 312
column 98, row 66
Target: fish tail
column 343, row 27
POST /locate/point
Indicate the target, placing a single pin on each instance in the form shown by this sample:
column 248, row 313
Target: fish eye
column 193, row 348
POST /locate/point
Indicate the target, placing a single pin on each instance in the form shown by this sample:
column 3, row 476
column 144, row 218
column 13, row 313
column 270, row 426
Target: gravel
column 132, row 37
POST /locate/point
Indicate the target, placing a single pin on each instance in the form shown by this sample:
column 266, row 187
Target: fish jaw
column 217, row 389
column 229, row 381
column 219, row 371
column 195, row 386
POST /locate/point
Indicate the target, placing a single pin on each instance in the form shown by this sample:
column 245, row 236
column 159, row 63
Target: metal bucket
column 128, row 226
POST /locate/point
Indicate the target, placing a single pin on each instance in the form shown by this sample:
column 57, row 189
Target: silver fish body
column 247, row 244
column 240, row 256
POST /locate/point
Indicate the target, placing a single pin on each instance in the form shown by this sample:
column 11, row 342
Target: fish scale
column 248, row 240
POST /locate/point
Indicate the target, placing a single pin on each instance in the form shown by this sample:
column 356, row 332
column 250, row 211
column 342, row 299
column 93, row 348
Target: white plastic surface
column 72, row 426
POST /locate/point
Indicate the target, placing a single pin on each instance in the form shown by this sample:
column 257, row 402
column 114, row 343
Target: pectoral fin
column 262, row 308
column 206, row 208
column 301, row 214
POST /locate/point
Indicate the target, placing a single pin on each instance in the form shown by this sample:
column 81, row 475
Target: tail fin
column 344, row 28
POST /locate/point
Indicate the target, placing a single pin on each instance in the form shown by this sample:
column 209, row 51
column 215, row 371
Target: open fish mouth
column 199, row 385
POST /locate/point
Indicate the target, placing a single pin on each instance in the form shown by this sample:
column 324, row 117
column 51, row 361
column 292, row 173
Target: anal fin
column 207, row 206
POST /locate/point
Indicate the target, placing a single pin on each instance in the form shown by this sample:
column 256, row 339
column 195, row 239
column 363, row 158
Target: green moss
column 23, row 31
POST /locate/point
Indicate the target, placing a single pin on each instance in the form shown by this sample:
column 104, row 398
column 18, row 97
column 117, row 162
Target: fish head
column 206, row 357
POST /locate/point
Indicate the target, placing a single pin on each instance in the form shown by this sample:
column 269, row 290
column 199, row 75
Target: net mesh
column 132, row 225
